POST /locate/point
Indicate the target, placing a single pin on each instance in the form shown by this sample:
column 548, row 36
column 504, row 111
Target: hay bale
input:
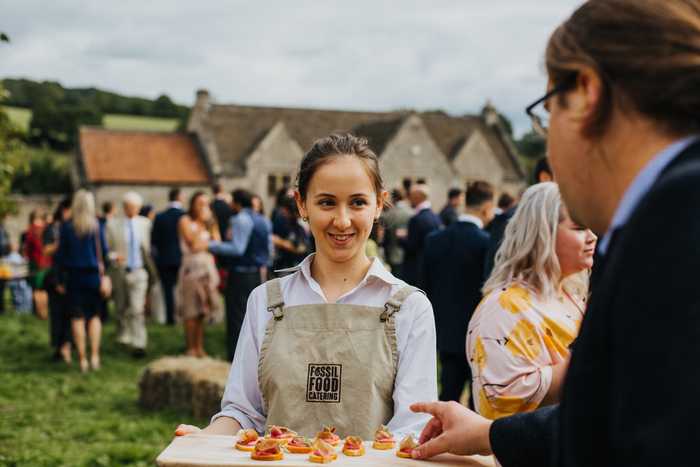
column 192, row 384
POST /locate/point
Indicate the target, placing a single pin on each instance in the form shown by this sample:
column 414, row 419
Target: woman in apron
column 341, row 341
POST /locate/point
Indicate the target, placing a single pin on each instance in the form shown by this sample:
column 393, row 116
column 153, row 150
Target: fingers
column 432, row 429
column 433, row 408
column 183, row 430
column 432, row 448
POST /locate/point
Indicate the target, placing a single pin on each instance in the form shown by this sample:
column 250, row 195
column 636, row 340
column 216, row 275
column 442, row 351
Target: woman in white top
column 340, row 341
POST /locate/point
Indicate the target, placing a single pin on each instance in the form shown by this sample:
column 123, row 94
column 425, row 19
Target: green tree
column 507, row 125
column 13, row 159
column 531, row 145
column 57, row 125
column 164, row 107
column 46, row 172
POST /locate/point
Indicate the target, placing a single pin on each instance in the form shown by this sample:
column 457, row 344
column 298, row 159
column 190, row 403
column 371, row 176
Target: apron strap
column 393, row 305
column 275, row 304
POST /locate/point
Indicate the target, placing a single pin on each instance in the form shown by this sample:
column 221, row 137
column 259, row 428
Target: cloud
column 368, row 54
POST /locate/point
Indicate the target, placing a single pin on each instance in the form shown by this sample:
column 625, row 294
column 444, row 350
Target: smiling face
column 341, row 205
column 575, row 246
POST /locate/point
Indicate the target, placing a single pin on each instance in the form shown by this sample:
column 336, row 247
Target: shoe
column 139, row 353
column 84, row 366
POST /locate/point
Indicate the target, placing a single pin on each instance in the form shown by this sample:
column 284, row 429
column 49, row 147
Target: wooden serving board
column 218, row 451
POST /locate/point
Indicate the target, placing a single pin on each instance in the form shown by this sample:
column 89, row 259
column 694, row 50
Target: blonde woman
column 518, row 339
column 78, row 256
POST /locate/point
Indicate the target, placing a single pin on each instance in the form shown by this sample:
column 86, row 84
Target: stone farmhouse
column 260, row 148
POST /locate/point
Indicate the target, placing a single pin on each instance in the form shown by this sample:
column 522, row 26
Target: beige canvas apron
column 329, row 364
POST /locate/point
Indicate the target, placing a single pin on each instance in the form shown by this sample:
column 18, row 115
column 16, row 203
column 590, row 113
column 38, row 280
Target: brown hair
column 647, row 53
column 343, row 144
column 478, row 192
column 193, row 200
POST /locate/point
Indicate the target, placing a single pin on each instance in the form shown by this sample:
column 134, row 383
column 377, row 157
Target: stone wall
column 413, row 154
column 17, row 223
column 157, row 195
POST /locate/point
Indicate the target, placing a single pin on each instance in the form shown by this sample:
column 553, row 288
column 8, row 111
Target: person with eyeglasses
column 623, row 139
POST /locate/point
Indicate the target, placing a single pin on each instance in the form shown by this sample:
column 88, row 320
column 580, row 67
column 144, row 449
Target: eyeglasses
column 538, row 112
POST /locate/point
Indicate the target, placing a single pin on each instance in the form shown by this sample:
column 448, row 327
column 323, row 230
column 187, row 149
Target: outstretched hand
column 454, row 429
column 183, row 430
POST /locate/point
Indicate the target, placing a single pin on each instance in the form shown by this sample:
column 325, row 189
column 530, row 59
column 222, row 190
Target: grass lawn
column 135, row 122
column 21, row 117
column 52, row 415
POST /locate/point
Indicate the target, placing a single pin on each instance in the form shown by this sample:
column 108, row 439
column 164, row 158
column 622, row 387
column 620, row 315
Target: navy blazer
column 496, row 229
column 453, row 265
column 165, row 240
column 420, row 225
column 630, row 395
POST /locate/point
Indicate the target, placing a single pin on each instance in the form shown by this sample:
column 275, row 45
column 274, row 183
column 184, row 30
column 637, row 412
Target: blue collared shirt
column 641, row 185
column 241, row 228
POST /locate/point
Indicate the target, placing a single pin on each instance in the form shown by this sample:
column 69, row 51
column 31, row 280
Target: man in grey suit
column 128, row 239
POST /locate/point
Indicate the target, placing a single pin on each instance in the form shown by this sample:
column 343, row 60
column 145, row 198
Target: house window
column 271, row 185
column 276, row 182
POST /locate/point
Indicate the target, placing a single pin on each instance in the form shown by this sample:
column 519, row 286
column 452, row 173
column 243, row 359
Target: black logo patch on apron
column 323, row 382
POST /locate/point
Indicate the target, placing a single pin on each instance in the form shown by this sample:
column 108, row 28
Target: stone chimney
column 199, row 110
column 202, row 99
column 199, row 125
column 490, row 114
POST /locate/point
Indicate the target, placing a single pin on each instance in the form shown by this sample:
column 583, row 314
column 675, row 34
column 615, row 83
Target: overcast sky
column 360, row 55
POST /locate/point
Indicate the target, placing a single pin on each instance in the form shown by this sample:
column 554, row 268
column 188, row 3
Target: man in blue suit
column 165, row 248
column 248, row 250
column 453, row 267
column 423, row 222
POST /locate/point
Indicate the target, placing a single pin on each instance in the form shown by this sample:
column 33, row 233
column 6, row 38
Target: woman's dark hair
column 325, row 149
column 107, row 207
column 145, row 210
column 281, row 195
column 505, row 201
column 62, row 206
column 542, row 166
column 646, row 52
column 290, row 205
column 193, row 200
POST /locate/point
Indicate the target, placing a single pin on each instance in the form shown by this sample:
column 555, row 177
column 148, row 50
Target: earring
column 305, row 219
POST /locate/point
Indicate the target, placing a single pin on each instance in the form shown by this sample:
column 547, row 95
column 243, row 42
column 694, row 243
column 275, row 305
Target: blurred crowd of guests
column 197, row 261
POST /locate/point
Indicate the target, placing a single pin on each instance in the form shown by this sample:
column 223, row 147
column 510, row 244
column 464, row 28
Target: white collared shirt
column 415, row 331
column 130, row 225
column 424, row 205
column 470, row 218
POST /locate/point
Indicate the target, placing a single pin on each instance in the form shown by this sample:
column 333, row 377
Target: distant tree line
column 58, row 112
